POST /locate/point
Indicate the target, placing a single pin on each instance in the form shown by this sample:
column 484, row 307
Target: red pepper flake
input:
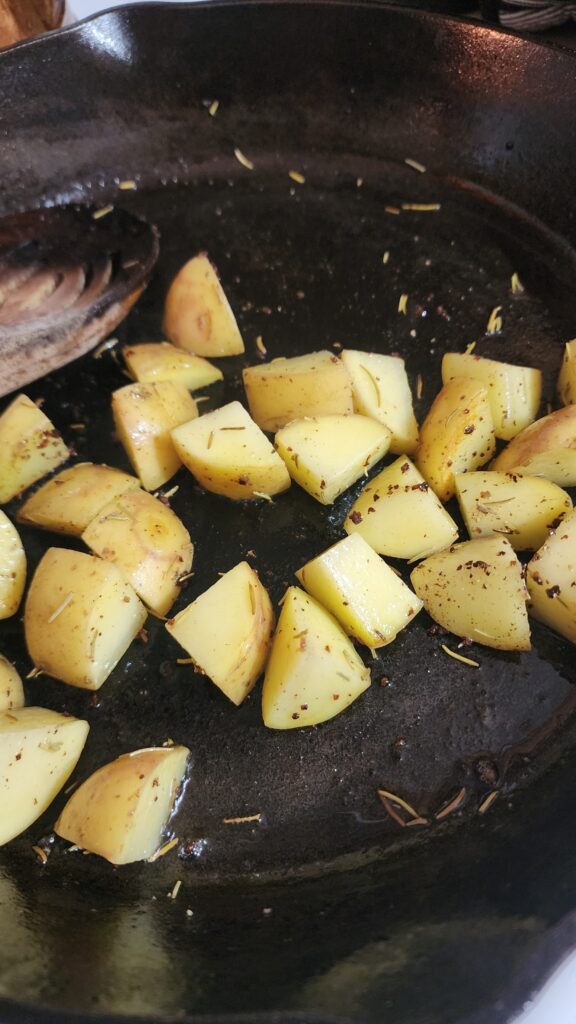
column 356, row 517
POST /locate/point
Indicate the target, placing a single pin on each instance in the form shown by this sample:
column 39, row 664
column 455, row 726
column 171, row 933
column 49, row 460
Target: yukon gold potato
column 476, row 589
column 546, row 448
column 11, row 689
column 71, row 499
column 149, row 544
column 457, row 435
column 313, row 672
column 522, row 508
column 121, row 811
column 514, row 392
column 381, row 390
column 567, row 377
column 39, row 750
column 227, row 631
column 369, row 600
column 144, row 415
column 551, row 580
column 162, row 361
column 197, row 314
column 286, row 389
column 228, row 454
column 80, row 618
column 12, row 568
column 327, row 454
column 30, row 446
column 399, row 514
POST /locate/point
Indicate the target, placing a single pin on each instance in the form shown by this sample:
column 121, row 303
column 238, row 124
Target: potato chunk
column 197, row 314
column 39, row 750
column 522, row 508
column 476, row 590
column 30, row 446
column 12, row 568
column 121, row 811
column 81, row 616
column 71, row 499
column 228, row 454
column 567, row 377
column 286, row 389
column 381, row 390
column 11, row 689
column 313, row 672
column 327, row 454
column 227, row 631
column 457, row 435
column 144, row 415
column 149, row 544
column 399, row 514
column 514, row 392
column 545, row 448
column 163, row 361
column 370, row 601
column 551, row 580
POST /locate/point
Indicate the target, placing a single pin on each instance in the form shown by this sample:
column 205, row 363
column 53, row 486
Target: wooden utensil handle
column 20, row 19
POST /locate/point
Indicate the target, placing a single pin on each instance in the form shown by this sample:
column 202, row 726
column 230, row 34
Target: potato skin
column 11, row 689
column 286, row 389
column 30, row 446
column 197, row 314
column 12, row 568
column 514, row 392
column 69, row 501
column 522, row 508
column 545, row 448
column 551, row 578
column 144, row 415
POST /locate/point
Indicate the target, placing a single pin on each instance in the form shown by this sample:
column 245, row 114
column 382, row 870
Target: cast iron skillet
column 326, row 909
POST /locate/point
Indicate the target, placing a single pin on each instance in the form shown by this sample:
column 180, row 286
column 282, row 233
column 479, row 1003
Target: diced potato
column 144, row 415
column 399, row 514
column 545, row 448
column 12, row 568
column 163, row 361
column 522, row 508
column 81, row 616
column 381, row 390
column 327, row 454
column 228, row 454
column 370, row 601
column 551, row 580
column 457, row 435
column 11, row 689
column 121, row 811
column 39, row 750
column 197, row 314
column 514, row 392
column 71, row 499
column 313, row 672
column 567, row 377
column 149, row 544
column 30, row 446
column 286, row 389
column 227, row 631
column 476, row 590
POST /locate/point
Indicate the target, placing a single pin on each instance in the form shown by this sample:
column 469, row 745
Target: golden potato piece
column 514, row 392
column 162, row 361
column 371, row 603
column 228, row 454
column 381, row 390
column 144, row 415
column 39, row 750
column 30, row 446
column 567, row 376
column 522, row 508
column 399, row 514
column 12, row 568
column 327, row 454
column 546, row 448
column 227, row 631
column 286, row 389
column 476, row 589
column 457, row 435
column 551, row 580
column 11, row 689
column 121, row 811
column 80, row 618
column 197, row 314
column 72, row 498
column 313, row 672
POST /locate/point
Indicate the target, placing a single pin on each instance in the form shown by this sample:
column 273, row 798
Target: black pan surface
column 324, row 905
